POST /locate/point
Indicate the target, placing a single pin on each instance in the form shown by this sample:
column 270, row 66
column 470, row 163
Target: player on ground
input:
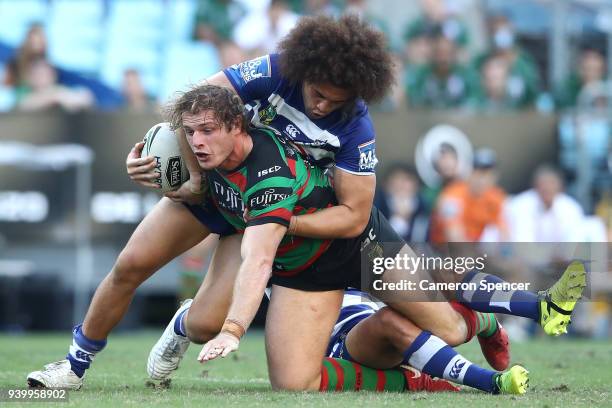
column 376, row 336
column 307, row 275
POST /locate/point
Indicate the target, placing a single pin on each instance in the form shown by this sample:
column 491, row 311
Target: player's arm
column 348, row 219
column 259, row 246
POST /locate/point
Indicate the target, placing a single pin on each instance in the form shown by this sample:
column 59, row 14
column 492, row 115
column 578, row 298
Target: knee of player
column 134, row 266
column 398, row 330
column 295, row 384
column 199, row 331
column 453, row 333
column 124, row 273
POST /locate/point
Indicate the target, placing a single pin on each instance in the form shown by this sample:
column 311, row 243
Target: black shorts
column 211, row 218
column 347, row 260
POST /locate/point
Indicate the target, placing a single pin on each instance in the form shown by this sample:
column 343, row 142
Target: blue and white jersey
column 278, row 105
column 356, row 306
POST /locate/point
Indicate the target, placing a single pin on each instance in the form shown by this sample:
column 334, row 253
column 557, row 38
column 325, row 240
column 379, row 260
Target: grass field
column 564, row 373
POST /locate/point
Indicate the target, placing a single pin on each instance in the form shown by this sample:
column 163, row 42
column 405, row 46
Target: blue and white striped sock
column 82, row 351
column 512, row 302
column 433, row 356
column 179, row 324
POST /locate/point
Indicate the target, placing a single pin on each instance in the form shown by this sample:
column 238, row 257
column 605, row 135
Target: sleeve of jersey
column 254, row 79
column 357, row 154
column 271, row 203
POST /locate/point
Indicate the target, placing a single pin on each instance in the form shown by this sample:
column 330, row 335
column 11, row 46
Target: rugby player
column 308, row 275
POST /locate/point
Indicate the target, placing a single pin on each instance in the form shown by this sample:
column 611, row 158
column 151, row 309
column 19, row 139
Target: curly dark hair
column 347, row 53
column 226, row 104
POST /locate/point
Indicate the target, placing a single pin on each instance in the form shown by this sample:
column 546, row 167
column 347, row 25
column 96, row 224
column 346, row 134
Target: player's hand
column 220, row 346
column 190, row 193
column 141, row 169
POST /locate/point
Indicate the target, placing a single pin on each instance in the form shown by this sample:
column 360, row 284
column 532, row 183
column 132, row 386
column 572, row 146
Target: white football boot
column 167, row 353
column 55, row 375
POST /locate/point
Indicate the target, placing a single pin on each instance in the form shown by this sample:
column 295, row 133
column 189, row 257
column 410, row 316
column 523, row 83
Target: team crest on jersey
column 367, row 156
column 267, row 115
column 255, row 68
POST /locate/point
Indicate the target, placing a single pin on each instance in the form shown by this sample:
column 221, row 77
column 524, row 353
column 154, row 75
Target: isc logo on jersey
column 367, row 156
column 255, row 68
column 272, row 169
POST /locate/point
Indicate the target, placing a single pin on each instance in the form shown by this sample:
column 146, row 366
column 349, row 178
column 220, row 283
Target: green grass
column 563, row 373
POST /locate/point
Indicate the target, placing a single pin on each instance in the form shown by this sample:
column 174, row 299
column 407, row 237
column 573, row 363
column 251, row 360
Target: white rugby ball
column 161, row 142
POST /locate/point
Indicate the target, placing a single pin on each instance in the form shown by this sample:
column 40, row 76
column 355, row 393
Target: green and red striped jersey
column 273, row 183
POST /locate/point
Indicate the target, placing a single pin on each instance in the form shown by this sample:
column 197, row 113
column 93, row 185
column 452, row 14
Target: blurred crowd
column 450, row 54
column 463, row 55
column 528, row 236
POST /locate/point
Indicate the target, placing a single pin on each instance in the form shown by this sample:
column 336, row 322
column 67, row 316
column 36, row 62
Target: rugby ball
column 161, row 143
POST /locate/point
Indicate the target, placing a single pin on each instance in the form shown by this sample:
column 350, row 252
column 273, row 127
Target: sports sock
column 512, row 302
column 478, row 323
column 179, row 324
column 343, row 375
column 82, row 351
column 487, row 324
column 433, row 356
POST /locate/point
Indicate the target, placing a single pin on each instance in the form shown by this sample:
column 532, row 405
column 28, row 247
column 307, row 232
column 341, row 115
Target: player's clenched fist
column 141, row 169
column 221, row 345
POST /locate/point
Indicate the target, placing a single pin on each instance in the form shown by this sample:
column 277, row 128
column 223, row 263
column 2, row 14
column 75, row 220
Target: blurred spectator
column 437, row 16
column 591, row 70
column 496, row 92
column 442, row 84
column 418, row 47
column 230, row 53
column 41, row 90
column 523, row 78
column 136, row 97
column 446, row 164
column 545, row 213
column 465, row 208
column 400, row 201
column 215, row 19
column 260, row 31
column 34, row 47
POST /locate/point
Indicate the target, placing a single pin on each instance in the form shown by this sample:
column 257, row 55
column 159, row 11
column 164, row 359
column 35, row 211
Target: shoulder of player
column 360, row 118
column 266, row 158
column 358, row 128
